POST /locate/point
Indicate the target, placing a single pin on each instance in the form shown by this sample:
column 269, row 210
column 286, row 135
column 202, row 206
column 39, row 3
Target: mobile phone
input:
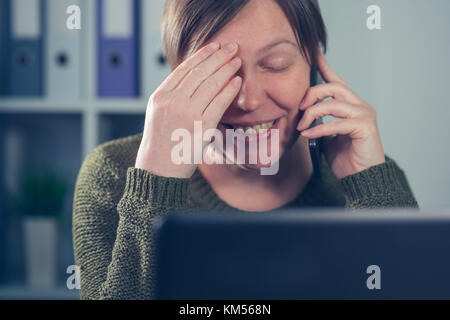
column 315, row 144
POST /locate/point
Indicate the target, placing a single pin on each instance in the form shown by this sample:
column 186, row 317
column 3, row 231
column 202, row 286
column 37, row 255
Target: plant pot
column 41, row 235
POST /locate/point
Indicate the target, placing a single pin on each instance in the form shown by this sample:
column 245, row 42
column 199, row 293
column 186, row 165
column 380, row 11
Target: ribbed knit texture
column 114, row 204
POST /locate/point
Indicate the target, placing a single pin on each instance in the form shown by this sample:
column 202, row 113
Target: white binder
column 155, row 70
column 63, row 52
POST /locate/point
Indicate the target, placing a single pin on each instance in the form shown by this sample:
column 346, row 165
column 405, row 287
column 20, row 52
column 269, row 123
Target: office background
column 46, row 131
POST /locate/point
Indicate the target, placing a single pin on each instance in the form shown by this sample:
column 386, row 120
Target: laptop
column 303, row 254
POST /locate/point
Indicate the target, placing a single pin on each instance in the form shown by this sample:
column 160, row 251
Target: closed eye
column 276, row 69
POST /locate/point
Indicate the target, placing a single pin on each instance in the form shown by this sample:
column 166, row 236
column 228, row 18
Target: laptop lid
column 371, row 254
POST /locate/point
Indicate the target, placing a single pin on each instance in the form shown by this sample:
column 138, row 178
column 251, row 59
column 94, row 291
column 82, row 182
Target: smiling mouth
column 256, row 127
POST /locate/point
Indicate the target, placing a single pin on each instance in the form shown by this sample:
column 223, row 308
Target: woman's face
column 274, row 72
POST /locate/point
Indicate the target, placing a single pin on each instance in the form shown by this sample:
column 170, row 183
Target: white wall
column 403, row 71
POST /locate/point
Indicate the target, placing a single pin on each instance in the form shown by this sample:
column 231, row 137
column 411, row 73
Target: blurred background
column 65, row 90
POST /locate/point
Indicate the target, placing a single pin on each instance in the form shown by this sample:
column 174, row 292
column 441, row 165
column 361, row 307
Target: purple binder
column 118, row 56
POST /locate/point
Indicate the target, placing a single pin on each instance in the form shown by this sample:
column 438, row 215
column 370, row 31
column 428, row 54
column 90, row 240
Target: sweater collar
column 202, row 195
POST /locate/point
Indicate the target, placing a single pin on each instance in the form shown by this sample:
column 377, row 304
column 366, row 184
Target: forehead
column 259, row 22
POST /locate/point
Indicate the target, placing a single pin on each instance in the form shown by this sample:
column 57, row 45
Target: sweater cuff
column 166, row 192
column 376, row 180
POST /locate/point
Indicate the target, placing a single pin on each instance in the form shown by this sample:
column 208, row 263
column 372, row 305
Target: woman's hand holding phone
column 351, row 143
column 199, row 89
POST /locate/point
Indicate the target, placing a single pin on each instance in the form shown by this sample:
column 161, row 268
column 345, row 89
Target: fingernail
column 237, row 81
column 305, row 132
column 229, row 48
column 213, row 46
column 236, row 62
column 301, row 102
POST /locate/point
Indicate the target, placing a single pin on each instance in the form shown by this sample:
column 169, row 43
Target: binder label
column 25, row 22
column 117, row 18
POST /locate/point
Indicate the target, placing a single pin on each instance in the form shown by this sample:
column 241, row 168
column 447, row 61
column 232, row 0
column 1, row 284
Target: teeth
column 256, row 128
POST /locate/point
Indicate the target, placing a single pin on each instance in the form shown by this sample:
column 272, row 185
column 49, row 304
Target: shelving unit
column 71, row 129
column 89, row 106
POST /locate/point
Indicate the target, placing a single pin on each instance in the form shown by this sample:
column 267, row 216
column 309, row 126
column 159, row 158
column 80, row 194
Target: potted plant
column 41, row 199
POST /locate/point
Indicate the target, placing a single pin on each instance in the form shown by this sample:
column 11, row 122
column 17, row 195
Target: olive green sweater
column 114, row 204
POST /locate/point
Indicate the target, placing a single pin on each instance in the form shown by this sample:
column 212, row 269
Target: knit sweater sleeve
column 383, row 185
column 112, row 226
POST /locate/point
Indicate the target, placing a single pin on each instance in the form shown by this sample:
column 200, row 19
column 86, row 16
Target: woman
column 261, row 81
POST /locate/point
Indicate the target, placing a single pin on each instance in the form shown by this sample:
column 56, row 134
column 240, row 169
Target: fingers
column 328, row 90
column 351, row 127
column 355, row 128
column 222, row 101
column 174, row 79
column 205, row 69
column 335, row 87
column 327, row 73
column 214, row 84
column 331, row 107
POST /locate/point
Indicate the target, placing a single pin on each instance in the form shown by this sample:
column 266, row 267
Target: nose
column 251, row 95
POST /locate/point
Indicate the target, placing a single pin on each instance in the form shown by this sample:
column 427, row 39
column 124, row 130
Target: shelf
column 36, row 105
column 26, row 293
column 120, row 106
column 111, row 106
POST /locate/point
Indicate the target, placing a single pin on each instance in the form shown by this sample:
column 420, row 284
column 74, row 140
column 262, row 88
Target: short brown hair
column 185, row 19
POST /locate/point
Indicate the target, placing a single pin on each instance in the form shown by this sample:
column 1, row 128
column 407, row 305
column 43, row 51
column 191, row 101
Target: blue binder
column 118, row 51
column 3, row 45
column 25, row 69
column 2, row 200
